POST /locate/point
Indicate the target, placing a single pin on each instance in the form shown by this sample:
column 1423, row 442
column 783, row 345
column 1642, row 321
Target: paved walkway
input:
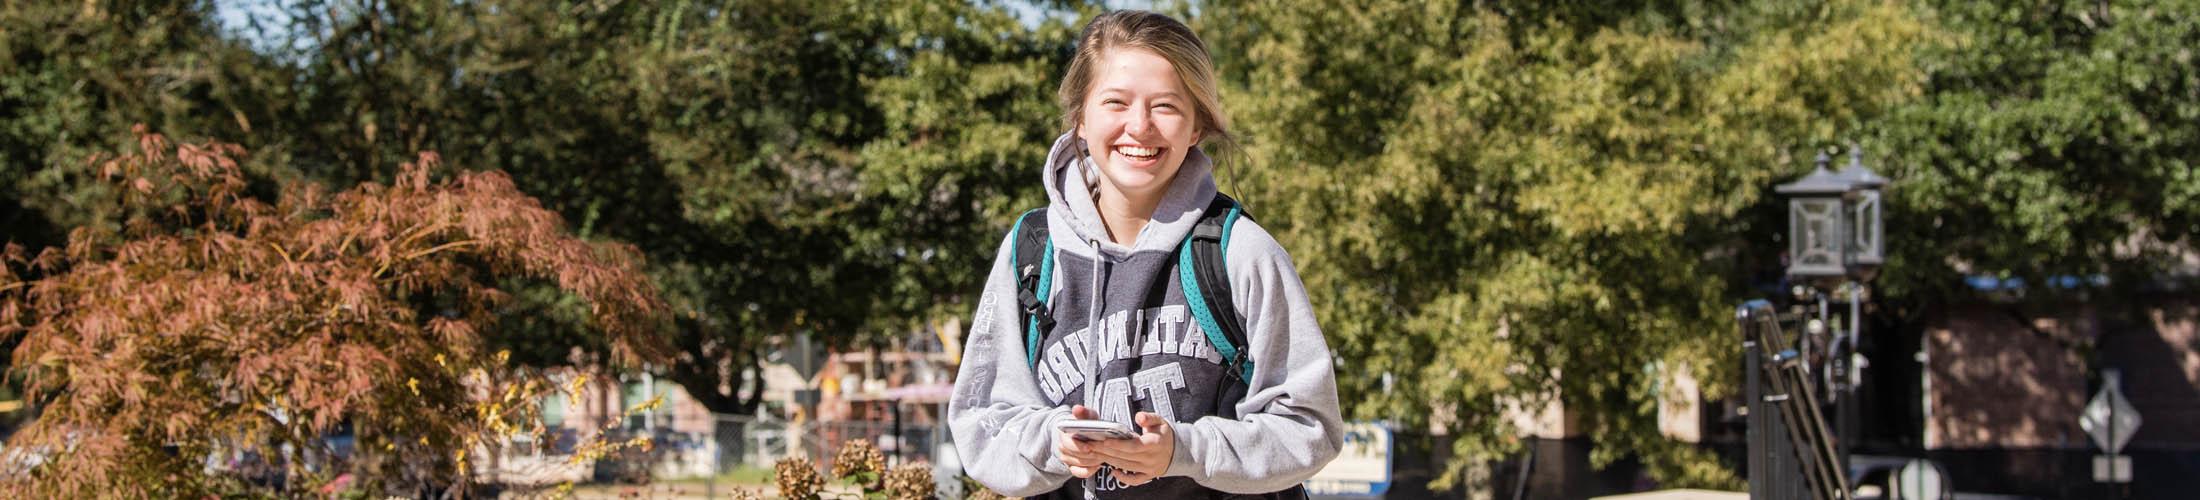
column 1680, row 495
column 682, row 490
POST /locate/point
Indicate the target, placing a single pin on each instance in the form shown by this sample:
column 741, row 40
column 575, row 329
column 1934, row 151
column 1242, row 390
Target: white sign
column 1362, row 467
column 2109, row 419
column 2112, row 468
column 1920, row 479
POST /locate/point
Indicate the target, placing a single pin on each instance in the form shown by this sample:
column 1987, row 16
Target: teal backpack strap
column 1032, row 259
column 1205, row 278
column 1041, row 321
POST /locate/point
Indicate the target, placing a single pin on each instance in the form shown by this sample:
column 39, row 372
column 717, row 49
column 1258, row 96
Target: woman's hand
column 1078, row 455
column 1140, row 461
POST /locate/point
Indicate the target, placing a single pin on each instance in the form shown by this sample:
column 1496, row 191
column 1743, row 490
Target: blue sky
column 236, row 15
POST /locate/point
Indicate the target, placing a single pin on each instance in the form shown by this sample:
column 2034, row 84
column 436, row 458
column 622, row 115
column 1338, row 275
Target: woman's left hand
column 1141, row 460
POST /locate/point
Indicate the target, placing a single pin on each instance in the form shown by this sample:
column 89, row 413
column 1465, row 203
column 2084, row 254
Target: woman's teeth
column 1138, row 152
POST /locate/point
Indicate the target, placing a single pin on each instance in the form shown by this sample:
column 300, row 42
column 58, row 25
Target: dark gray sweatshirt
column 1122, row 326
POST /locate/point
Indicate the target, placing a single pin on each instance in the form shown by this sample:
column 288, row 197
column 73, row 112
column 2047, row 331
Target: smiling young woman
column 1142, row 90
column 1142, row 296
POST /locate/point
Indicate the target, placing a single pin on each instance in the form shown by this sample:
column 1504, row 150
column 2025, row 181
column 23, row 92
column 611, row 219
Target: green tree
column 1513, row 202
column 72, row 73
column 786, row 166
column 2057, row 139
column 967, row 113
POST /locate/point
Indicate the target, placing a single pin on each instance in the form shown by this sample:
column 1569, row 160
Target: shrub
column 207, row 327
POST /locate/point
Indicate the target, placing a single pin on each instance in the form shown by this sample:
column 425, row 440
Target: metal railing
column 1791, row 453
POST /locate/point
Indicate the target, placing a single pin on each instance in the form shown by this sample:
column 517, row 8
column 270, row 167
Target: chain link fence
column 732, row 443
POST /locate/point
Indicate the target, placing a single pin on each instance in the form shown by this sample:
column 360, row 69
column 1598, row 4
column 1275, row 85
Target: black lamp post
column 1834, row 223
column 1836, row 236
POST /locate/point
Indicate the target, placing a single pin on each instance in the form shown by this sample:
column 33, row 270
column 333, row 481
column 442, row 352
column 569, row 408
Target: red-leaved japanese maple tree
column 207, row 324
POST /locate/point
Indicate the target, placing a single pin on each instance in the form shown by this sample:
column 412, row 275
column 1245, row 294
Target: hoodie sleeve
column 1289, row 424
column 1003, row 428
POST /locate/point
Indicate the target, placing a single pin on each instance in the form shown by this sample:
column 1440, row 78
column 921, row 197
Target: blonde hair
column 1165, row 36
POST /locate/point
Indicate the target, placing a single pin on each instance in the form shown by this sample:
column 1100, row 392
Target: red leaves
column 215, row 311
column 450, row 330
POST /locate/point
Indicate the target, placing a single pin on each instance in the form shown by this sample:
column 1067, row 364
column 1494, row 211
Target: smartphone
column 1095, row 430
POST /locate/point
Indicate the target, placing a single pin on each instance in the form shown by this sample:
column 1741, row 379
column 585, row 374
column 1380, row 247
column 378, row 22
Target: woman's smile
column 1138, row 157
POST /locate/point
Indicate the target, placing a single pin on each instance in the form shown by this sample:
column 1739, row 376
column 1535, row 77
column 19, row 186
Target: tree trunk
column 710, row 369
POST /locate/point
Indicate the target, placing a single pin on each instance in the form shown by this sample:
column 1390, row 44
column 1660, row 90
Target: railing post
column 1754, row 410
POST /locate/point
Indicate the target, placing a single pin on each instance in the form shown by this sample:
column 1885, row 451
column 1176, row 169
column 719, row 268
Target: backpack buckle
column 1027, row 298
column 1027, row 290
column 1234, row 368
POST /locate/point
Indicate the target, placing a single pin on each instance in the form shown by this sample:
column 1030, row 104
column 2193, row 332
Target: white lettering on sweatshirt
column 1154, row 384
column 1065, row 365
column 1162, row 338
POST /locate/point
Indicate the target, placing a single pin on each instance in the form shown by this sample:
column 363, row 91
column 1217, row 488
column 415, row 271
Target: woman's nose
column 1135, row 125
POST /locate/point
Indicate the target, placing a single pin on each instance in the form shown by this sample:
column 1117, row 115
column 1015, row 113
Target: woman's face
column 1138, row 122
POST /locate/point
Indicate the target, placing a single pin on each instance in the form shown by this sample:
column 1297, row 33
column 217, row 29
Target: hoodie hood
column 1070, row 203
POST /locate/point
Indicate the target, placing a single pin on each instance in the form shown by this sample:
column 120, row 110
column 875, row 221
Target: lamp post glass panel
column 1865, row 248
column 1816, row 219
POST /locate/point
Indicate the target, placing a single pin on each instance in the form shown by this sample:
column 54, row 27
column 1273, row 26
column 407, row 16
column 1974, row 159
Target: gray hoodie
column 1146, row 355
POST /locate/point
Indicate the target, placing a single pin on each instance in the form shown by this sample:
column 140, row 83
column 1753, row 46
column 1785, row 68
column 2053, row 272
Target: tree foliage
column 211, row 323
column 73, row 73
column 786, row 166
column 1511, row 203
column 2056, row 139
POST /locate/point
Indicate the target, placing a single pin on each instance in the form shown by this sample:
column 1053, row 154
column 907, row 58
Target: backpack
column 1201, row 273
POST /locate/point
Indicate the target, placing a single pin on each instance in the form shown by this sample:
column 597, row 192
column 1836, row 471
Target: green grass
column 744, row 475
column 747, row 474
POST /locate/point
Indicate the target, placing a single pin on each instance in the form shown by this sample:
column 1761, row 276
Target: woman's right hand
column 1078, row 455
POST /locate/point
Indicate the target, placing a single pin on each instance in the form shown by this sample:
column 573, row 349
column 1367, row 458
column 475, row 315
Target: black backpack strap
column 1205, row 279
column 1032, row 260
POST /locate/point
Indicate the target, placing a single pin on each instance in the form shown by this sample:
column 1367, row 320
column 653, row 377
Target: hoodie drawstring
column 1092, row 323
column 1098, row 357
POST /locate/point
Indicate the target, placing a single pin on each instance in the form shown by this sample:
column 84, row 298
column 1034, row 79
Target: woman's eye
column 1112, row 102
column 1166, row 107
